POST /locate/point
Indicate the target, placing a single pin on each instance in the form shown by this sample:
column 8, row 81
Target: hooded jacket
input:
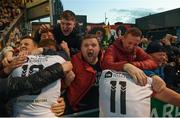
column 116, row 56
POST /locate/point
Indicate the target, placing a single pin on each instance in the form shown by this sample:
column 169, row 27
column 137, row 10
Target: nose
column 22, row 45
column 90, row 47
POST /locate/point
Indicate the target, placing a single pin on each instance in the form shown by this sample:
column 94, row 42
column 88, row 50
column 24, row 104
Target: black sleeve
column 24, row 85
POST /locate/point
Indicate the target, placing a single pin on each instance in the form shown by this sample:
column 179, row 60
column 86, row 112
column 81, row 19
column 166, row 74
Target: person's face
column 47, row 35
column 44, row 36
column 27, row 45
column 90, row 50
column 67, row 26
column 130, row 42
column 159, row 57
column 50, row 35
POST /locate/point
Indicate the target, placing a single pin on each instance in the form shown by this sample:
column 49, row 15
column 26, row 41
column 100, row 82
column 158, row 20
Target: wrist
column 126, row 66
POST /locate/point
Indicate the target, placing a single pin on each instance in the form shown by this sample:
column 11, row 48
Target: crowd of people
column 8, row 12
column 30, row 70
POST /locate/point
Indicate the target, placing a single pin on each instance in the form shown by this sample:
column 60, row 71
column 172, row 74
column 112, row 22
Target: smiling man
column 66, row 31
column 125, row 55
column 37, row 103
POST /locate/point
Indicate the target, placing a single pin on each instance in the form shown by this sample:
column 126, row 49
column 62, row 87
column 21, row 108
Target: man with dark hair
column 42, row 99
column 65, row 33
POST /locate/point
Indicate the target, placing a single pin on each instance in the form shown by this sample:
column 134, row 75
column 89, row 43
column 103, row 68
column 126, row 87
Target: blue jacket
column 159, row 71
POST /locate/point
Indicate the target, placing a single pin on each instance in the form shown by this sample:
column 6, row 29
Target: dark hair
column 28, row 37
column 68, row 15
column 90, row 36
column 134, row 32
column 47, row 42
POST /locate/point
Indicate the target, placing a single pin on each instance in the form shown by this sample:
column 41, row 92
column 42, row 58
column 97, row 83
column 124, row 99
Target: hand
column 64, row 46
column 17, row 62
column 7, row 58
column 67, row 66
column 59, row 107
column 166, row 41
column 44, row 27
column 158, row 84
column 137, row 74
column 69, row 78
column 37, row 51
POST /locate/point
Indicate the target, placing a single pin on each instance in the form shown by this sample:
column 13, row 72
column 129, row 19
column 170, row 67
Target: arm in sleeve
column 24, row 85
column 144, row 61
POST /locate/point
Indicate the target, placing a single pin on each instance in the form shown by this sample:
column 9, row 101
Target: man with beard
column 83, row 92
column 65, row 33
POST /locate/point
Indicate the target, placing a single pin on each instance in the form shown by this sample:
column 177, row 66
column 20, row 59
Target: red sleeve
column 144, row 61
column 109, row 61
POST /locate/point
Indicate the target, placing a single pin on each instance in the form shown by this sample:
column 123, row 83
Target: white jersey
column 119, row 96
column 38, row 103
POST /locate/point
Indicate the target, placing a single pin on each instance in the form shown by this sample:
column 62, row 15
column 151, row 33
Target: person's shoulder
column 77, row 57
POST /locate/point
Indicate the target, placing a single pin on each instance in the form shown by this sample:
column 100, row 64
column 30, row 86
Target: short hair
column 89, row 36
column 28, row 37
column 134, row 31
column 47, row 42
column 68, row 15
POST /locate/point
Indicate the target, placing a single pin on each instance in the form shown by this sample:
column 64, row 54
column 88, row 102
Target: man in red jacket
column 125, row 55
column 83, row 92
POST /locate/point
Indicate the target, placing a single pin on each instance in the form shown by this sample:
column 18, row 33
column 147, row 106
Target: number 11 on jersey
column 122, row 97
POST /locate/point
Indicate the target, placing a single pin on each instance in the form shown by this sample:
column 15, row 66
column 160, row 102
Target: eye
column 94, row 45
column 86, row 45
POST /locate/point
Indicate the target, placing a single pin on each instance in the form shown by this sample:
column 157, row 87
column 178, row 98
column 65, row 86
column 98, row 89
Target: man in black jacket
column 14, row 87
column 65, row 33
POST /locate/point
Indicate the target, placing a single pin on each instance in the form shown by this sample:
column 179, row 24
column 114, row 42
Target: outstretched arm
column 169, row 96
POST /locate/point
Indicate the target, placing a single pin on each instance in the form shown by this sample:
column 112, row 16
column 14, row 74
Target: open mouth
column 90, row 54
column 66, row 31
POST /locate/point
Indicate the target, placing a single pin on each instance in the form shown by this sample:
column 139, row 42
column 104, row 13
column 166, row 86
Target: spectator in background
column 45, row 34
column 144, row 43
column 48, row 43
column 158, row 54
column 169, row 44
column 65, row 33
